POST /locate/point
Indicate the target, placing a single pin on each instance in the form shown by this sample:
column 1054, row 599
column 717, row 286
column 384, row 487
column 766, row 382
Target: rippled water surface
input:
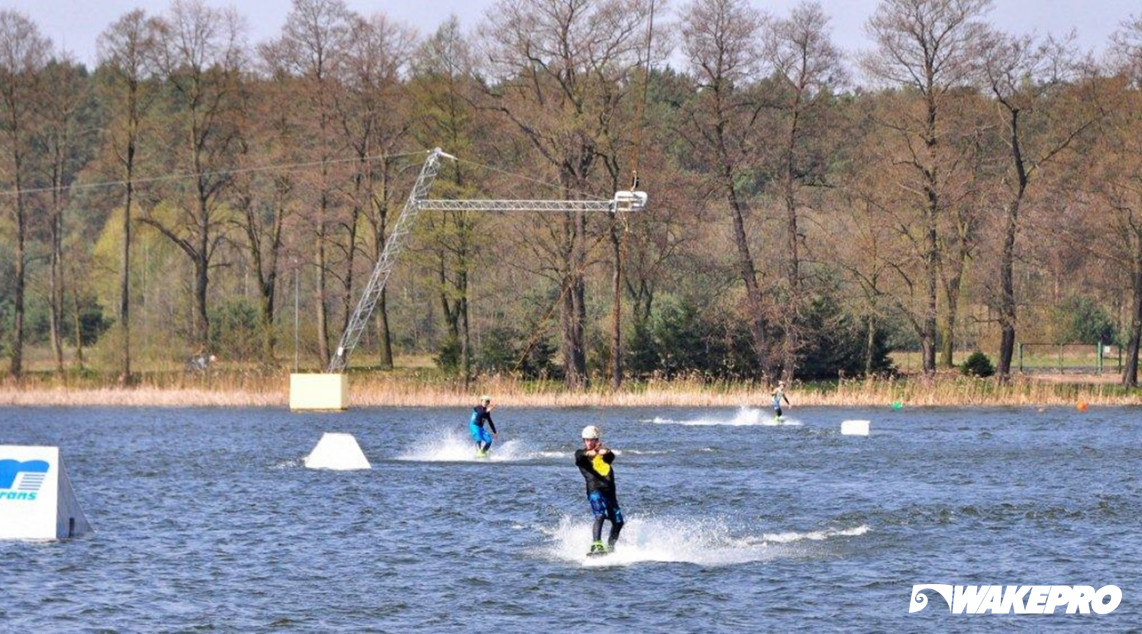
column 207, row 519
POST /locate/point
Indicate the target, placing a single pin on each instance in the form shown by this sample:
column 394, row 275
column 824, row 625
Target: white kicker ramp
column 337, row 451
column 854, row 427
column 36, row 498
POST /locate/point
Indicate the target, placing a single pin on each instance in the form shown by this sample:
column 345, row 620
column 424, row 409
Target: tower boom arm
column 394, row 244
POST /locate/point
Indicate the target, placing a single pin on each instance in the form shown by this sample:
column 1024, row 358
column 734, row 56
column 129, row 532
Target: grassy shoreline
column 379, row 389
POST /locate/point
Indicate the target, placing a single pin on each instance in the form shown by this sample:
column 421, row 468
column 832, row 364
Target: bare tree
column 373, row 121
column 806, row 65
column 266, row 198
column 64, row 96
column 126, row 52
column 200, row 55
column 1030, row 82
column 563, row 70
column 1119, row 190
column 444, row 89
column 862, row 249
column 312, row 45
column 660, row 241
column 1119, row 180
column 722, row 41
column 928, row 46
column 23, row 57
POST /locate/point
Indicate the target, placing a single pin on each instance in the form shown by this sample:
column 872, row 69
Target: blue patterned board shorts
column 480, row 434
column 601, row 507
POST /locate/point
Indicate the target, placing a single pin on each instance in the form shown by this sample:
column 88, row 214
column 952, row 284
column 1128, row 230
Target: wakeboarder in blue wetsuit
column 480, row 414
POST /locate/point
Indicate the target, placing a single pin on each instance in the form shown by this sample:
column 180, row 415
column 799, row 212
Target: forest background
column 811, row 217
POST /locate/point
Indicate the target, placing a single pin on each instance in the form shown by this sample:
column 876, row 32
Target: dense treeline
column 952, row 188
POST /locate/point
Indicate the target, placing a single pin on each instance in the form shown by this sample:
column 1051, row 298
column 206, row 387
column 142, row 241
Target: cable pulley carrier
column 418, row 201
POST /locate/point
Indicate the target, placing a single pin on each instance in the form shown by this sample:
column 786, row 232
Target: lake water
column 207, row 519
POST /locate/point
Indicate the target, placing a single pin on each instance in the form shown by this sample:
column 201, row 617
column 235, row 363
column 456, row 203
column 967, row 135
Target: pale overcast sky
column 74, row 25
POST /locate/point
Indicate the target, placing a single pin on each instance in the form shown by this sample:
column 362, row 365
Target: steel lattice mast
column 394, row 245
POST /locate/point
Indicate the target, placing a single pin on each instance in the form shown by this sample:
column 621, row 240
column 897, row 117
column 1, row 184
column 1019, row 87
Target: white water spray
column 451, row 445
column 744, row 417
column 703, row 542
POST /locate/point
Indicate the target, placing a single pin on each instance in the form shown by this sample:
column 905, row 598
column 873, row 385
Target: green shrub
column 1082, row 320
column 235, row 329
column 977, row 365
column 836, row 344
column 505, row 349
column 450, row 355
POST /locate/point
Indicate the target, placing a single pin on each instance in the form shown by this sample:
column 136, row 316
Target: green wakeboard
column 598, row 550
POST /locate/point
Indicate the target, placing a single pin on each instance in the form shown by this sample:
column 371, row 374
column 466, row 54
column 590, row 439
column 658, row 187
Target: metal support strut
column 393, row 247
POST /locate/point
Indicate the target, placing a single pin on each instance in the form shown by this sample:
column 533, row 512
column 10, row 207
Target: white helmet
column 591, row 432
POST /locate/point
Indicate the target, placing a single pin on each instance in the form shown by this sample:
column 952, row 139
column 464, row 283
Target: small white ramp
column 337, row 451
column 36, row 498
column 854, row 427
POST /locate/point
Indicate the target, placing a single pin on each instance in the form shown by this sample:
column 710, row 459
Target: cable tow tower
column 623, row 201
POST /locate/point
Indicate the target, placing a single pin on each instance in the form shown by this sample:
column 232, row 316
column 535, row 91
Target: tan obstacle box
column 327, row 391
column 36, row 498
column 337, row 451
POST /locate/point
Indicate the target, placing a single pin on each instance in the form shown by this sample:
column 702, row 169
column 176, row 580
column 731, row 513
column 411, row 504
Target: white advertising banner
column 36, row 498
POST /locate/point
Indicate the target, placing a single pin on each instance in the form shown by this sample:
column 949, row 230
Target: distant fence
column 1069, row 358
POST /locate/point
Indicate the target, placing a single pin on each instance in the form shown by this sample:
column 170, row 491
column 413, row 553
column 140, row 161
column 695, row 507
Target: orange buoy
column 1081, row 406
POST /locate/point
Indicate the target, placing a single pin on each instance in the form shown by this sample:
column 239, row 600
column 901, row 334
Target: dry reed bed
column 378, row 390
column 138, row 397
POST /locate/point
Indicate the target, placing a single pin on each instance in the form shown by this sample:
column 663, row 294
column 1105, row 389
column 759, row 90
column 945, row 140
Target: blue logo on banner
column 35, row 471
